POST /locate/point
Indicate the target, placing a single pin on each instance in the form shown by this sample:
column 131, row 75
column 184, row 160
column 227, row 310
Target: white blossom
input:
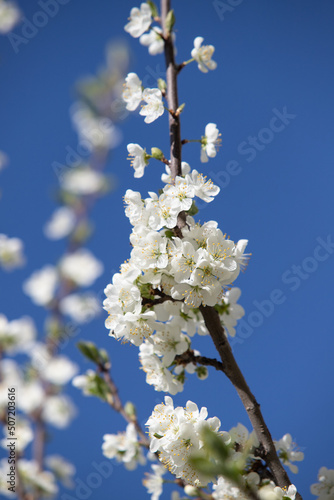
column 94, row 131
column 324, row 489
column 203, row 55
column 82, row 308
column 154, row 482
column 210, row 142
column 10, row 15
column 23, row 434
column 234, row 312
column 81, row 267
column 154, row 106
column 225, row 489
column 153, row 41
column 59, row 370
column 33, row 478
column 167, row 178
column 58, row 411
column 83, row 181
column 85, row 382
column 62, row 469
column 41, row 285
column 125, row 447
column 204, row 189
column 139, row 21
column 139, row 159
column 287, row 452
column 132, row 92
column 17, row 335
column 11, row 253
column 175, row 434
column 31, row 397
column 156, row 373
column 61, row 223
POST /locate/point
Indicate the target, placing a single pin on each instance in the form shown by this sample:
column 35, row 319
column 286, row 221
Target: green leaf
column 204, row 466
column 154, row 8
column 89, row 350
column 215, row 445
column 170, row 20
column 193, row 210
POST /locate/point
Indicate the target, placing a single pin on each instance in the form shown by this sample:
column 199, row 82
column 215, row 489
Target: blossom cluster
column 176, row 433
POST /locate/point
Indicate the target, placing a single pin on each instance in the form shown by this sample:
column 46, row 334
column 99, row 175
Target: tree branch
column 189, row 357
column 210, row 315
column 172, row 96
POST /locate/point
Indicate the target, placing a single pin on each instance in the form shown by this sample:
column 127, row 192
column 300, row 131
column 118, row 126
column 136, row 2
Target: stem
column 210, row 315
column 233, row 372
column 117, row 405
column 172, row 96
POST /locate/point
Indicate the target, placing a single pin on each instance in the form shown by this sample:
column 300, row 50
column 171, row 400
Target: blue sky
column 271, row 98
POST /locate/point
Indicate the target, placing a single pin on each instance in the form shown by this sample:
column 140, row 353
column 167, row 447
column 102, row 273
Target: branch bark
column 210, row 315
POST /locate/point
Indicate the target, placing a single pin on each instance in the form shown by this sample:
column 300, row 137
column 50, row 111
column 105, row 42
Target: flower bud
column 157, row 153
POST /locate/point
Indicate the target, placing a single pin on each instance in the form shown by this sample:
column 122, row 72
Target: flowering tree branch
column 210, row 315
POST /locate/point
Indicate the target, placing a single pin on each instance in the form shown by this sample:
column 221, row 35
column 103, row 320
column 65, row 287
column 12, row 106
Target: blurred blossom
column 41, row 285
column 17, row 335
column 11, row 252
column 3, row 160
column 81, row 267
column 83, row 181
column 61, row 224
column 23, row 433
column 60, row 370
column 80, row 307
column 62, row 469
column 31, row 396
column 86, row 382
column 33, row 478
column 95, row 131
column 9, row 16
column 58, row 411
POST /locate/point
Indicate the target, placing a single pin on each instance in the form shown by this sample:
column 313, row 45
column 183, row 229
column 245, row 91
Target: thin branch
column 117, row 405
column 189, row 357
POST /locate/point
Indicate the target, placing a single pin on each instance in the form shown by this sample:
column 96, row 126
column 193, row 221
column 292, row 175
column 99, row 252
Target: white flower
column 181, row 192
column 225, row 489
column 94, row 131
column 156, row 373
column 17, row 335
column 58, row 411
column 124, row 447
column 61, row 223
column 81, row 267
column 60, row 370
column 234, row 312
column 203, row 55
column 139, row 160
column 9, row 16
column 11, row 252
column 83, row 181
column 31, row 396
column 82, row 308
column 169, row 341
column 41, row 285
column 167, row 178
column 153, row 41
column 131, row 327
column 32, row 477
column 325, row 487
column 86, row 382
column 175, row 434
column 272, row 492
column 23, row 434
column 210, row 142
column 154, row 107
column 62, row 469
column 132, row 92
column 287, row 452
column 154, row 481
column 204, row 189
column 139, row 21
